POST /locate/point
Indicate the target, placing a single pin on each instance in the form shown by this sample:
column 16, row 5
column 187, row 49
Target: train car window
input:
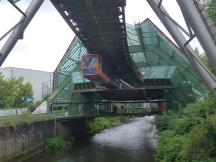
column 89, row 61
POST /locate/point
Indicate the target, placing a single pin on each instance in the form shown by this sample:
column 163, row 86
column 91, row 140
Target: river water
column 130, row 142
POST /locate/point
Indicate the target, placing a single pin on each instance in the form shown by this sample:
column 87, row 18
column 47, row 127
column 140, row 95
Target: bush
column 162, row 121
column 102, row 123
column 189, row 135
column 169, row 146
column 55, row 144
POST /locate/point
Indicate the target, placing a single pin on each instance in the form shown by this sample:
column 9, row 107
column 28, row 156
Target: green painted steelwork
column 69, row 63
column 159, row 50
column 160, row 77
column 100, row 25
column 159, row 72
column 155, row 56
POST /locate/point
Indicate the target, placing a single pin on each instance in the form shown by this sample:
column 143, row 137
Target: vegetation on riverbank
column 102, row 123
column 57, row 143
column 189, row 134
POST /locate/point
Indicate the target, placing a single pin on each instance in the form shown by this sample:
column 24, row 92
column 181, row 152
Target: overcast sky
column 48, row 36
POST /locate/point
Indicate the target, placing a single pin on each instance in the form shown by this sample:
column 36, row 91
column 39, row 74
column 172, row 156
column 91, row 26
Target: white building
column 40, row 80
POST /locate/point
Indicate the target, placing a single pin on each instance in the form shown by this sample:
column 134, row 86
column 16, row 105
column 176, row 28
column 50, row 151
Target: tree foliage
column 206, row 62
column 211, row 9
column 14, row 92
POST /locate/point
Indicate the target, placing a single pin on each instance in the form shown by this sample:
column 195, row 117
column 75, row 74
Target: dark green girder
column 100, row 26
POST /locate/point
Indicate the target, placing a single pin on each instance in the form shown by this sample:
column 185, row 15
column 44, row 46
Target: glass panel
column 89, row 61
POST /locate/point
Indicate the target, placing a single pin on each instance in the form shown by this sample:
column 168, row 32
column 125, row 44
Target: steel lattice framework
column 158, row 59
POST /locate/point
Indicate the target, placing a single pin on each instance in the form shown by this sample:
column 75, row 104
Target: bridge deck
column 126, row 94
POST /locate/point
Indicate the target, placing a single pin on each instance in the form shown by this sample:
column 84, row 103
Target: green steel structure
column 100, row 26
column 166, row 74
column 150, row 47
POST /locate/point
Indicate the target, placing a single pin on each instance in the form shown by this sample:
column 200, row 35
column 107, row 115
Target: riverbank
column 188, row 134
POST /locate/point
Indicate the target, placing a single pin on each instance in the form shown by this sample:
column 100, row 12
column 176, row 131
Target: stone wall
column 22, row 140
column 25, row 140
column 71, row 127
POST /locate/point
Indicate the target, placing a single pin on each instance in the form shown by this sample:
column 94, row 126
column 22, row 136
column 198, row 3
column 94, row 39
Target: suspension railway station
column 115, row 68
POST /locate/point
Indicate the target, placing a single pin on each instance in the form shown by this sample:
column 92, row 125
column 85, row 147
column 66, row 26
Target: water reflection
column 130, row 142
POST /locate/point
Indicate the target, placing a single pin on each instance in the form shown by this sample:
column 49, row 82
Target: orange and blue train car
column 91, row 68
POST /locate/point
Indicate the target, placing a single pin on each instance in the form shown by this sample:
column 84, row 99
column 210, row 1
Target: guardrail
column 14, row 111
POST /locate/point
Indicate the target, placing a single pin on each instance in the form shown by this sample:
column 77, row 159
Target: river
column 133, row 141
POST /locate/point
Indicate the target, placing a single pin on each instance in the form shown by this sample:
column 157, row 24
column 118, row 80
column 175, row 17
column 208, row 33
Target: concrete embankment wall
column 25, row 140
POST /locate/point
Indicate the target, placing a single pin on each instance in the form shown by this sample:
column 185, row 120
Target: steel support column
column 19, row 30
column 179, row 38
column 195, row 21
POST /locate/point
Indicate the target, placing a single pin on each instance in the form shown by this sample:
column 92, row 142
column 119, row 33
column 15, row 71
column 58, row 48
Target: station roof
column 150, row 49
column 159, row 72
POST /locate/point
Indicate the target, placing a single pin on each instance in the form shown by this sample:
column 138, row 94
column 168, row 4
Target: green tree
column 4, row 93
column 205, row 60
column 21, row 91
column 211, row 9
column 13, row 92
